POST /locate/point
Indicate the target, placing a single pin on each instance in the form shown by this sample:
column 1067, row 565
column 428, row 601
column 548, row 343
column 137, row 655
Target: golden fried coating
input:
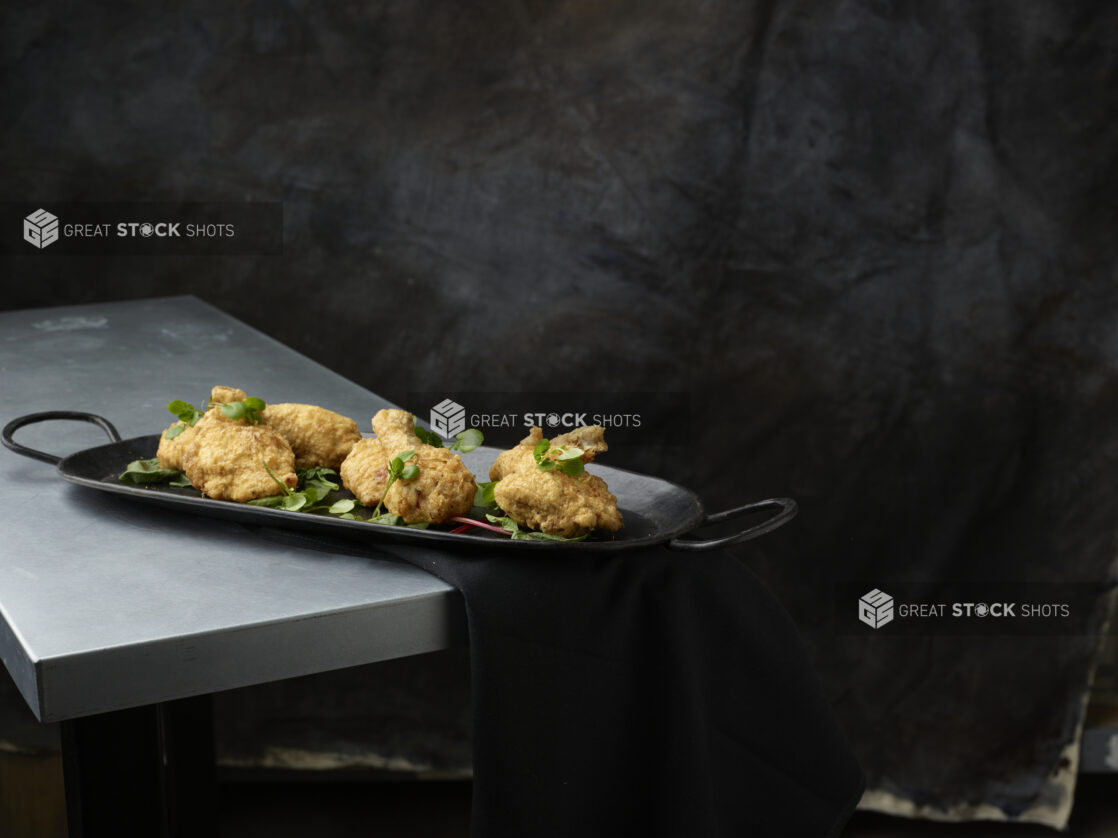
column 319, row 437
column 551, row 501
column 396, row 429
column 365, row 471
column 443, row 488
column 590, row 438
column 517, row 458
column 172, row 451
column 225, row 460
column 556, row 503
column 224, row 395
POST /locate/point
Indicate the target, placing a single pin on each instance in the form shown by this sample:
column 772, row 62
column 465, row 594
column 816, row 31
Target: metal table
column 115, row 616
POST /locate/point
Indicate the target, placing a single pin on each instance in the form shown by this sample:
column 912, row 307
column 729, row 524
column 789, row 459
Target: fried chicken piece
column 225, row 460
column 552, row 501
column 590, row 438
column 558, row 504
column 396, row 429
column 365, row 471
column 173, row 451
column 319, row 437
column 443, row 488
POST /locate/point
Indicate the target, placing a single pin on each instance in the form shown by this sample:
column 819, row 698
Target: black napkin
column 650, row 693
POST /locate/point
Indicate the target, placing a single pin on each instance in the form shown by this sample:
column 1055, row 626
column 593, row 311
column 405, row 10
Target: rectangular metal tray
column 655, row 511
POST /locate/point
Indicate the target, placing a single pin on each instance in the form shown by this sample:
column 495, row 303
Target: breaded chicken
column 396, row 429
column 558, row 504
column 552, row 501
column 225, row 460
column 319, row 437
column 365, row 471
column 444, row 487
column 590, row 438
column 172, row 451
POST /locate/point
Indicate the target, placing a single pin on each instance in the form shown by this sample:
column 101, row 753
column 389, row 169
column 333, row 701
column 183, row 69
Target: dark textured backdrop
column 874, row 241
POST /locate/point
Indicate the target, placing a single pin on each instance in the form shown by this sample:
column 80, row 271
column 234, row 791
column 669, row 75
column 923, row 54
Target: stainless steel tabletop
column 106, row 603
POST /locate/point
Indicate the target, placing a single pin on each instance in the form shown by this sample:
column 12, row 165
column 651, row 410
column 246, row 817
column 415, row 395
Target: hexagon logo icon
column 875, row 609
column 448, row 418
column 40, row 228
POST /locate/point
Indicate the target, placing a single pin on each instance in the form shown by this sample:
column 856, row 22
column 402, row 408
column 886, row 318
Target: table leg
column 147, row 770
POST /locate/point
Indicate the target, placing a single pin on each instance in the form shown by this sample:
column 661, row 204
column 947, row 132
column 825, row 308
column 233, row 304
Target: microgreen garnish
column 398, row 469
column 392, row 520
column 468, row 440
column 249, row 409
column 513, row 528
column 428, row 437
column 290, row 499
column 314, row 489
column 567, row 459
column 344, row 508
column 187, row 413
column 149, row 471
column 320, row 477
column 483, row 495
column 465, row 442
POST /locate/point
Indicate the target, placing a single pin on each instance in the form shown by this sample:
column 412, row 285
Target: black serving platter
column 655, row 511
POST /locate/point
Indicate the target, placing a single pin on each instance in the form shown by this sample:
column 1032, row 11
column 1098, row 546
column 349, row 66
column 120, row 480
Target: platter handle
column 32, row 418
column 787, row 511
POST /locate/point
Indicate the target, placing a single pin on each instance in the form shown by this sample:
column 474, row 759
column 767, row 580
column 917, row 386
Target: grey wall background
column 873, row 241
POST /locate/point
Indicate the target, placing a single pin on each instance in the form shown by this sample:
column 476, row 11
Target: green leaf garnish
column 427, row 437
column 149, row 471
column 567, row 459
column 468, row 440
column 250, row 409
column 387, row 518
column 294, row 502
column 319, row 477
column 483, row 495
column 573, row 467
column 397, row 470
column 185, row 412
column 518, row 534
column 343, row 506
column 540, row 451
column 271, row 500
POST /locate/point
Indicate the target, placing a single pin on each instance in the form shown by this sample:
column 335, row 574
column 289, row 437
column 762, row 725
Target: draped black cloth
column 650, row 693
